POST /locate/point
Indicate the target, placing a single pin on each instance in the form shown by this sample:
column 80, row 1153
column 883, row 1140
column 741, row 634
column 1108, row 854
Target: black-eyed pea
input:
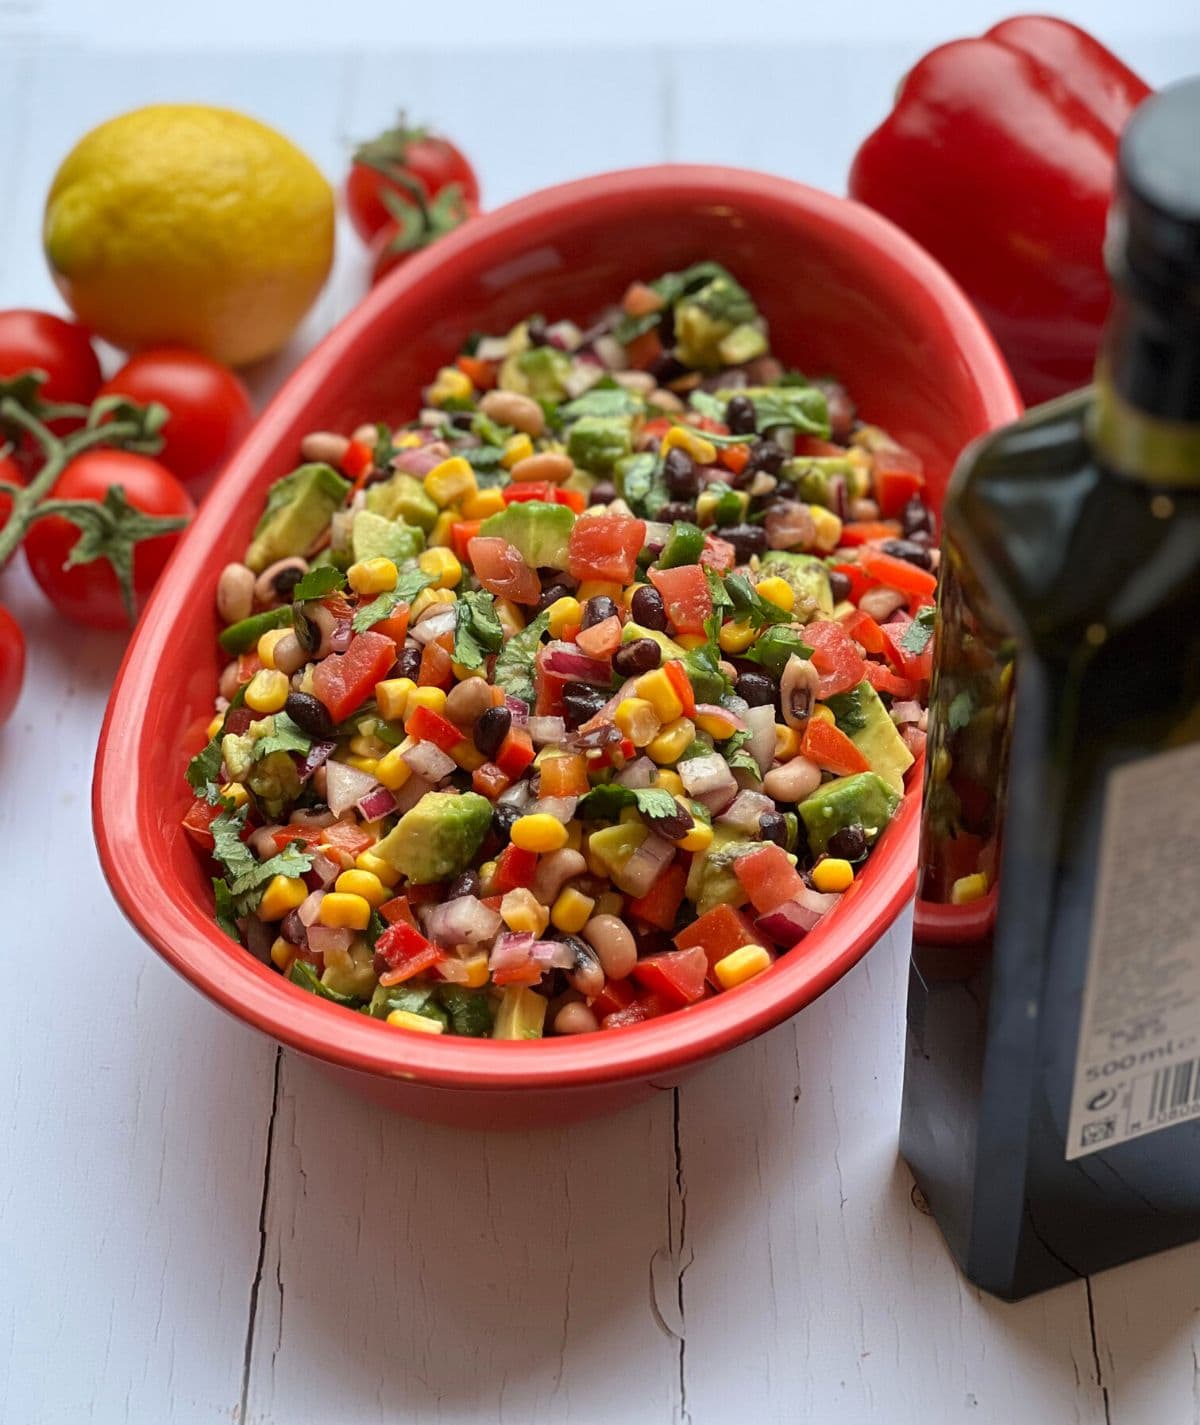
column 235, row 593
column 575, row 1018
column 325, row 446
column 792, row 782
column 613, row 942
column 510, row 408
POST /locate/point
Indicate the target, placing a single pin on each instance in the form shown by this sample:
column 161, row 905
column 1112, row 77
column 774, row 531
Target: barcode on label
column 1165, row 1096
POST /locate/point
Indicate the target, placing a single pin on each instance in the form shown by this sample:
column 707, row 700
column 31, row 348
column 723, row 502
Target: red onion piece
column 339, row 639
column 434, row 626
column 736, row 722
column 462, row 921
column 325, row 870
column 519, row 710
column 645, row 866
column 704, row 775
column 376, row 804
column 420, row 460
column 318, row 754
column 519, row 795
column 345, row 786
column 323, row 939
column 238, row 720
column 583, row 375
column 908, row 711
column 564, row 659
column 492, row 348
column 453, row 971
column 429, row 761
column 640, row 773
column 761, row 745
column 510, row 951
column 610, row 351
column 745, row 811
column 309, row 908
column 560, row 808
column 545, row 730
column 793, row 920
column 914, row 740
column 411, row 793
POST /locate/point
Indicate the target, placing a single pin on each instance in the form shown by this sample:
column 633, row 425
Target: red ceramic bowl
column 844, row 291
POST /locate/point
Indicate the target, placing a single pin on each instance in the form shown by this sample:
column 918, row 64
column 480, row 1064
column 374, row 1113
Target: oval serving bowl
column 844, row 292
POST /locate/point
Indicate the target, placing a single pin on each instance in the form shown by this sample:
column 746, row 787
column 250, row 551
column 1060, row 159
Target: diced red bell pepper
column 835, row 657
column 606, row 547
column 868, row 531
column 660, row 905
column 482, row 373
column 643, row 351
column 462, row 532
column 686, row 594
column 437, row 666
column 345, row 837
column 677, row 674
column 429, row 726
column 768, row 878
column 395, row 627
column 883, row 680
column 814, row 446
column 344, row 681
column 677, row 976
column 718, row 554
column 864, row 630
column 199, row 818
column 916, row 666
column 734, row 457
column 657, row 428
column 602, row 639
column 709, row 424
column 518, row 493
column 859, row 582
column 896, row 476
column 357, row 460
column 719, row 932
column 397, row 909
column 406, row 952
column 563, row 776
column 647, row 1007
column 896, row 573
column 514, row 868
column 516, row 753
column 573, row 499
column 247, row 665
column 616, row 994
column 489, row 781
column 286, row 835
column 830, row 748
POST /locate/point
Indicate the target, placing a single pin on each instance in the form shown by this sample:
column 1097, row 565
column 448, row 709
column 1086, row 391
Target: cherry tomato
column 38, row 341
column 395, row 161
column 89, row 593
column 12, row 663
column 210, row 408
column 392, row 246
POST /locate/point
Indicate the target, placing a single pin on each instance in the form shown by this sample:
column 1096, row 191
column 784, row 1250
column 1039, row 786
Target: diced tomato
column 247, row 665
column 682, row 684
column 815, row 446
column 883, row 680
column 616, row 994
column 482, row 373
column 516, row 753
column 489, row 781
column 344, row 681
column 428, row 726
column 548, row 687
column 677, row 976
column 514, row 868
column 835, row 657
column 718, row 554
column 606, row 547
column 768, row 878
column 396, row 910
column 709, row 424
column 647, row 1007
column 357, row 461
column 501, row 570
column 830, row 748
column 309, row 835
column 395, row 627
column 867, row 531
column 346, row 837
column 660, row 905
column 462, row 532
column 640, row 300
column 896, row 476
column 896, row 573
column 643, row 351
column 573, row 499
column 601, row 640
column 734, row 457
column 437, row 666
column 564, row 776
column 518, row 493
column 916, row 666
column 200, row 816
column 859, row 582
column 657, row 428
column 686, row 594
column 719, row 932
column 406, row 951
column 863, row 629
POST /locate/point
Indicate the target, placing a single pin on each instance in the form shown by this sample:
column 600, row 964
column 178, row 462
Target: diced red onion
column 645, row 866
column 560, row 808
column 544, row 730
column 745, row 811
column 908, row 711
column 562, row 658
column 492, row 348
column 411, row 793
column 657, row 535
column 552, row 954
column 316, row 756
column 641, row 772
column 519, row 710
column 761, row 744
column 462, row 921
column 345, row 786
column 702, row 775
column 510, row 950
column 453, row 971
column 310, row 908
column 238, row 720
column 420, row 460
column 376, row 804
column 582, row 376
column 610, row 351
column 339, row 639
column 429, row 761
column 839, row 501
column 793, row 920
column 434, row 626
column 519, row 795
column 324, row 939
column 914, row 740
column 325, row 869
column 564, row 335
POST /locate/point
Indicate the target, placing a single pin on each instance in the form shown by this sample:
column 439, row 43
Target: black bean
column 640, row 655
column 678, row 510
column 915, row 518
column 679, row 471
column 923, row 538
column 503, row 817
column 491, row 730
column 839, row 585
column 747, row 539
column 293, row 929
column 581, row 702
column 461, row 420
column 286, row 580
column 535, row 330
column 758, row 688
column 551, row 594
column 849, row 843
column 648, row 609
column 604, row 492
column 740, row 415
column 666, row 329
column 666, row 367
column 910, row 552
column 676, row 825
column 408, row 662
column 310, row 715
column 773, row 828
column 598, row 609
column 766, row 455
column 465, row 885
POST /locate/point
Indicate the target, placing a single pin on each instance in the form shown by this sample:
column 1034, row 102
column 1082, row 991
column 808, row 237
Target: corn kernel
column 342, row 911
column 282, row 954
column 363, row 764
column 392, row 770
column 432, row 698
column 571, row 911
column 512, row 620
column 659, row 692
column 598, row 588
column 610, row 903
column 441, row 536
column 823, row 714
column 516, row 447
column 702, row 451
column 467, row 755
column 372, row 576
column 574, row 836
column 787, row 742
column 266, row 645
column 406, row 1019
column 523, row 913
column 742, row 965
column 382, row 870
column 477, row 972
column 564, row 613
column 450, row 384
column 689, row 641
column 637, row 720
column 367, row 746
column 967, row 889
column 832, row 874
column 215, row 726
column 672, row 741
column 283, row 893
column 670, row 782
column 717, row 723
column 538, row 832
column 442, row 566
column 736, row 636
column 482, row 504
column 409, row 441
column 365, row 884
column 828, row 528
column 267, row 691
column 391, row 696
column 450, row 481
column 699, row 838
column 779, row 592
column 235, row 793
column 487, row 878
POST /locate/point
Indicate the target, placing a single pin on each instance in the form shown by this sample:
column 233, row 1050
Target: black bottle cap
column 1153, row 242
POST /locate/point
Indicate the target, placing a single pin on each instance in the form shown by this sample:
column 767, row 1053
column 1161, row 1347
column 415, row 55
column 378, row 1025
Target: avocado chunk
column 437, row 838
column 353, row 975
column 598, row 442
column 809, row 578
column 373, row 537
column 813, row 476
column 537, row 530
column 711, row 880
column 708, row 683
column 403, row 497
column 521, row 1015
column 539, row 371
column 864, row 799
column 298, row 508
column 717, row 323
column 861, row 715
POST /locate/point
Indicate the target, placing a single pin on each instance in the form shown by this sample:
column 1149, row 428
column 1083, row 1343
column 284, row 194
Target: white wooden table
column 196, row 1227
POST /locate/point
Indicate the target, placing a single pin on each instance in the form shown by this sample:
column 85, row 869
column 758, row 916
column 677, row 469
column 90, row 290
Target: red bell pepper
column 514, row 868
column 999, row 158
column 830, row 748
column 406, row 952
column 428, row 726
column 660, row 905
column 677, row 976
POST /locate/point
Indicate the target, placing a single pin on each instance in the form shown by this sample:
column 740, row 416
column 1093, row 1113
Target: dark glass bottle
column 1052, row 1079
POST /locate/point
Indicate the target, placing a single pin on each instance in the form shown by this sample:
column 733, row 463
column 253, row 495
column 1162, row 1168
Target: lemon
column 188, row 225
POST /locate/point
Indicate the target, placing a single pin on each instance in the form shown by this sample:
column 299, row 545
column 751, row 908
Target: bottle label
column 1137, row 1069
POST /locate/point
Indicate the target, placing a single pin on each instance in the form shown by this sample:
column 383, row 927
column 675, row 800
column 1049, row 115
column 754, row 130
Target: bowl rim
column 257, row 995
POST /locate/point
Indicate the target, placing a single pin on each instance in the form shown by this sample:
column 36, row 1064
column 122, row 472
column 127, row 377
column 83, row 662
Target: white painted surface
column 195, row 1229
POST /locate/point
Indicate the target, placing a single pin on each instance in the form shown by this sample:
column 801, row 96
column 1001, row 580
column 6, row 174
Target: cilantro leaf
column 961, row 710
column 738, row 759
column 226, row 917
column 804, row 408
column 716, row 587
column 285, row 737
column 775, row 646
column 607, row 802
column 247, row 876
column 847, row 709
column 318, row 582
column 304, row 975
column 485, row 460
column 602, row 401
column 515, row 663
column 413, row 998
column 748, row 603
column 915, row 638
column 408, row 586
column 706, row 404
column 204, row 770
column 477, row 630
column 490, row 432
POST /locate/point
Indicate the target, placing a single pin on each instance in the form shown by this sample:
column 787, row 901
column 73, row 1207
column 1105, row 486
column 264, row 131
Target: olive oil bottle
column 1052, row 1080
